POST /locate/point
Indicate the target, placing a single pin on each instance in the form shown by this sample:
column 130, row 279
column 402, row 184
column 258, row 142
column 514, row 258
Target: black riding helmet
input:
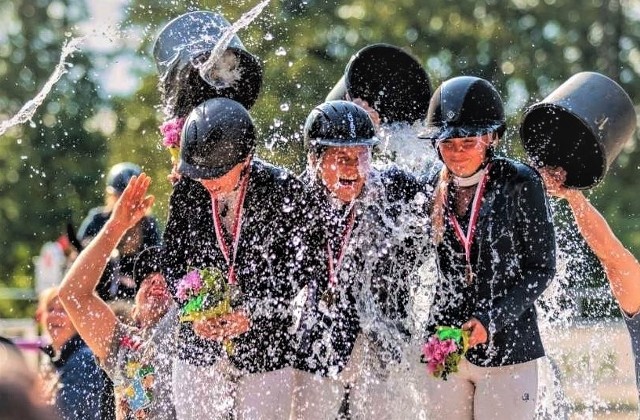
column 338, row 123
column 189, row 39
column 392, row 81
column 119, row 176
column 464, row 106
column 217, row 135
column 148, row 261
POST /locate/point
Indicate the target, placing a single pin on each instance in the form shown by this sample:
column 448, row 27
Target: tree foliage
column 526, row 47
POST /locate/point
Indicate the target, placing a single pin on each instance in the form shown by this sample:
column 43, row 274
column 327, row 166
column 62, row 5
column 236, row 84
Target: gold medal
column 328, row 298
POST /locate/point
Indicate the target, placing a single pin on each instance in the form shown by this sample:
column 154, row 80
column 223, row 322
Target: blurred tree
column 49, row 169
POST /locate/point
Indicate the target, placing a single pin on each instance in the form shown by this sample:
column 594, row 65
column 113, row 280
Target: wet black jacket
column 373, row 279
column 513, row 254
column 273, row 262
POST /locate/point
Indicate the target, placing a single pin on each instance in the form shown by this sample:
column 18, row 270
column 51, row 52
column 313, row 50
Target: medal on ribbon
column 329, row 297
column 466, row 239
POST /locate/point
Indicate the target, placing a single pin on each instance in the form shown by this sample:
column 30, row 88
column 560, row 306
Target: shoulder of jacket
column 267, row 173
column 514, row 170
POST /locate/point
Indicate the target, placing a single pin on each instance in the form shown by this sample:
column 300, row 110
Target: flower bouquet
column 204, row 293
column 171, row 131
column 444, row 350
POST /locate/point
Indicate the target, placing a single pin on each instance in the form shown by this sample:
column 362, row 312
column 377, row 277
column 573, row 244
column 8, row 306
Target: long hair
column 439, row 205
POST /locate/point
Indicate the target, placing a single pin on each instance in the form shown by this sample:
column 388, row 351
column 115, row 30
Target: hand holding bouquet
column 208, row 301
column 204, row 293
column 444, row 350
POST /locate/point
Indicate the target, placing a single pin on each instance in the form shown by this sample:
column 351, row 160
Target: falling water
column 29, row 108
column 228, row 34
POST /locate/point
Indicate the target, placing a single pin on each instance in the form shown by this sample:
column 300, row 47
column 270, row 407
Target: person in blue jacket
column 495, row 250
column 83, row 389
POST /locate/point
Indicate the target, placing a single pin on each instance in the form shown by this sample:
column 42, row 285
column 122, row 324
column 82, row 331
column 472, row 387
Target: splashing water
column 228, row 34
column 29, row 109
column 401, row 146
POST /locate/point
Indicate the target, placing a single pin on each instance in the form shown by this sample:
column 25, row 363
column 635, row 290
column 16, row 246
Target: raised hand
column 554, row 179
column 134, row 202
column 375, row 117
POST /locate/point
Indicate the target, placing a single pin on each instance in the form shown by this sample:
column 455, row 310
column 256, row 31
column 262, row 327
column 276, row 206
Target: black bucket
column 581, row 126
column 192, row 34
column 392, row 81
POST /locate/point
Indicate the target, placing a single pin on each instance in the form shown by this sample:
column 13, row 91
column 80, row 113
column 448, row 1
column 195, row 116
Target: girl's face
column 464, row 156
column 219, row 187
column 152, row 300
column 57, row 322
column 344, row 170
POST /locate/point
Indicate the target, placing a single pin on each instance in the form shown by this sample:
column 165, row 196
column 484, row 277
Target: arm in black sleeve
column 535, row 235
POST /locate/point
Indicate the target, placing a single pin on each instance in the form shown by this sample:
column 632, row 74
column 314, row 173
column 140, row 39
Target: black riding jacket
column 513, row 255
column 274, row 261
column 372, row 282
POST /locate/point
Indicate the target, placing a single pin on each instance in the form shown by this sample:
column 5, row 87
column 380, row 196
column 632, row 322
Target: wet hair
column 439, row 205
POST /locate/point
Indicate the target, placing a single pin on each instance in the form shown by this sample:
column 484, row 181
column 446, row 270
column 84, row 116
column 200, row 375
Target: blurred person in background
column 20, row 396
column 117, row 280
column 138, row 359
column 81, row 390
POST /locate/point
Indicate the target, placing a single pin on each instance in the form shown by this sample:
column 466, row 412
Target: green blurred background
column 52, row 170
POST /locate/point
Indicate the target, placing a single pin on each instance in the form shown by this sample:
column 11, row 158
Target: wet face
column 57, row 322
column 344, row 170
column 152, row 300
column 219, row 187
column 464, row 156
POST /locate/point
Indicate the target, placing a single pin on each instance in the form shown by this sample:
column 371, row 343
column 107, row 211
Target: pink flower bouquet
column 444, row 350
column 171, row 131
column 204, row 293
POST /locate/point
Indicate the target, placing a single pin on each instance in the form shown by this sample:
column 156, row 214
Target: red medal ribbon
column 230, row 257
column 467, row 240
column 346, row 235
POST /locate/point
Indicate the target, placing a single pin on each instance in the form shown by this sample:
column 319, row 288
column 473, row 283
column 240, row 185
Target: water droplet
column 281, row 52
column 268, row 36
column 284, row 107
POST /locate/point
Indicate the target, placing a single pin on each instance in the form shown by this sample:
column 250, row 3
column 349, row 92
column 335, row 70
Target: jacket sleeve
column 535, row 240
column 179, row 233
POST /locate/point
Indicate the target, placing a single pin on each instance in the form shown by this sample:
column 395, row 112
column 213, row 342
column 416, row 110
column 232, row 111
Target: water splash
column 29, row 109
column 228, row 34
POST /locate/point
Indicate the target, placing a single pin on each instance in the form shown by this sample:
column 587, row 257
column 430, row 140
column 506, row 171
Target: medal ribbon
column 346, row 235
column 230, row 257
column 467, row 240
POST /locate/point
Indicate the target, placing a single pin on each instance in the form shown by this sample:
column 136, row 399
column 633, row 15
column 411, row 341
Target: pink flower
column 436, row 351
column 189, row 285
column 171, row 131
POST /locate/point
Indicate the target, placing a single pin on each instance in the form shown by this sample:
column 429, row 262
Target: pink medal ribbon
column 328, row 297
column 467, row 240
column 230, row 257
